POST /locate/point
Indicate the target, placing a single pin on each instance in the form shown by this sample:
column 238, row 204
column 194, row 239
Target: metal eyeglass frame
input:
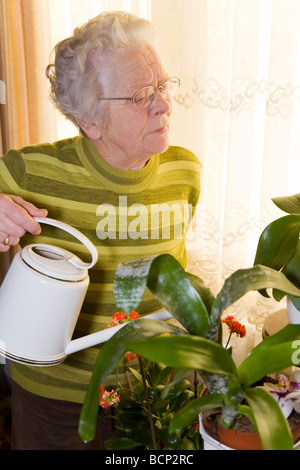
column 150, row 98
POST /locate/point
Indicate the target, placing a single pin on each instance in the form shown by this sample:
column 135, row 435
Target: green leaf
column 130, row 282
column 186, row 444
column 107, row 360
column 137, row 375
column 163, row 376
column 182, row 399
column 186, row 352
column 278, row 242
column 273, row 428
column 274, row 354
column 188, row 413
column 137, row 427
column 245, row 280
column 289, row 204
column 121, row 443
column 293, row 274
column 288, row 333
column 179, row 374
column 175, row 291
column 293, row 269
column 203, row 290
column 161, row 274
column 296, row 302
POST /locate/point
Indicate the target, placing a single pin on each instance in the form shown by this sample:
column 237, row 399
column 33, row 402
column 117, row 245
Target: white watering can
column 40, row 300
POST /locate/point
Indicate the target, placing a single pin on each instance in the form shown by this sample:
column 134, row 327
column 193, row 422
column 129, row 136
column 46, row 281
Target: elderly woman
column 119, row 182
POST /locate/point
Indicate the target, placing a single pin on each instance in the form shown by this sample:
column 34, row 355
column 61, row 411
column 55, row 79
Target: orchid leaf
column 293, row 274
column 274, row 354
column 188, row 413
column 203, row 290
column 168, row 281
column 245, row 280
column 278, row 242
column 186, row 352
column 293, row 269
column 286, row 334
column 107, row 359
column 289, row 204
column 274, row 432
column 176, row 292
column 296, row 302
column 130, row 283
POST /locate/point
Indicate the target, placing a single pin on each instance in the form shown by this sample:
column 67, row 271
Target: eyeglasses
column 144, row 96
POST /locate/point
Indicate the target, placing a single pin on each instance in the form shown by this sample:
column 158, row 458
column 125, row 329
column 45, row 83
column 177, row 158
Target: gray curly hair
column 75, row 83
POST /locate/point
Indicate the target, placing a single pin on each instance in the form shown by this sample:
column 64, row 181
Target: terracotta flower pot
column 215, row 437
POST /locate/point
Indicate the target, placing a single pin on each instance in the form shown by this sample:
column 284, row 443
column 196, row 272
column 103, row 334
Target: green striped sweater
column 126, row 214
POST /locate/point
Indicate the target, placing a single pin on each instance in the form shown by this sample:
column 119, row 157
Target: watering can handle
column 67, row 228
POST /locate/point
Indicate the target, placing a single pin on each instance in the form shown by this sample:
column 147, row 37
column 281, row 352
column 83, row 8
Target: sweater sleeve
column 13, row 173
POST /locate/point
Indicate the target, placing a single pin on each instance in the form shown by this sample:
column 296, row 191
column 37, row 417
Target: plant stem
column 196, row 382
column 148, row 404
column 228, row 341
column 129, row 381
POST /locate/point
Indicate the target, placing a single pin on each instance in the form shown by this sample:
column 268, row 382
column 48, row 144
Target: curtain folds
column 27, row 117
column 26, row 114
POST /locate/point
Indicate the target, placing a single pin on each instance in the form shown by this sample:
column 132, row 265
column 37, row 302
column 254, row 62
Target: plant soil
column 242, row 424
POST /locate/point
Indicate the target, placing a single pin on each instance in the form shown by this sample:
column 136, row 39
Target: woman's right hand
column 16, row 218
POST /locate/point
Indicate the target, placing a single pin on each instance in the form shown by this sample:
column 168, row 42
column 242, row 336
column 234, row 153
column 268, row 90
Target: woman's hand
column 16, row 218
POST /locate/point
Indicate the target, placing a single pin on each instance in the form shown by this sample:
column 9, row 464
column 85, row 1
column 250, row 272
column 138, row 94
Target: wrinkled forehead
column 134, row 67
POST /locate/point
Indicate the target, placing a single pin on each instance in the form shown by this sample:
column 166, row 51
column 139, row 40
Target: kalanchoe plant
column 198, row 345
column 144, row 417
column 279, row 246
column 147, row 403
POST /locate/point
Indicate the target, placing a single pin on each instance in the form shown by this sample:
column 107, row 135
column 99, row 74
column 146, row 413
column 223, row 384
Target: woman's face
column 132, row 135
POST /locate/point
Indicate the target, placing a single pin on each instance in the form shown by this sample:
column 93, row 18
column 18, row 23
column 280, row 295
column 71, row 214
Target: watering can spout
column 41, row 298
column 44, row 358
column 102, row 336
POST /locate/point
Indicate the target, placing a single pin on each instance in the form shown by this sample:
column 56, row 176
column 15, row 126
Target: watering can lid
column 53, row 262
column 56, row 262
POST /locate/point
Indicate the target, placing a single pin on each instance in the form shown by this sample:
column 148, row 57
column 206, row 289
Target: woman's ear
column 92, row 130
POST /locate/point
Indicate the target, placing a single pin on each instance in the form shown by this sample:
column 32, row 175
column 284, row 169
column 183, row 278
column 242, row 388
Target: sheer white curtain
column 238, row 110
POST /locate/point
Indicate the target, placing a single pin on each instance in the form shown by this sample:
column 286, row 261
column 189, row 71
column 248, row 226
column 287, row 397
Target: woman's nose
column 160, row 104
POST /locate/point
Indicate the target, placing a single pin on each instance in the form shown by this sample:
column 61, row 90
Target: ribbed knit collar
column 115, row 178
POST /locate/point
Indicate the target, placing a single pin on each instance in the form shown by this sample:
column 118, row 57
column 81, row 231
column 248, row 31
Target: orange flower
column 131, row 356
column 121, row 317
column 108, row 399
column 235, row 326
column 134, row 315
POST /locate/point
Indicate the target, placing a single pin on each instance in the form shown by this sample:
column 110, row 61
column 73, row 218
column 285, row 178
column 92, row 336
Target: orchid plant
column 286, row 392
column 197, row 345
column 278, row 246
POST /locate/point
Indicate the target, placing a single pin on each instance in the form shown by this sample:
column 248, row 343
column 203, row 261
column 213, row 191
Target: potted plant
column 146, row 406
column 197, row 345
column 279, row 248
